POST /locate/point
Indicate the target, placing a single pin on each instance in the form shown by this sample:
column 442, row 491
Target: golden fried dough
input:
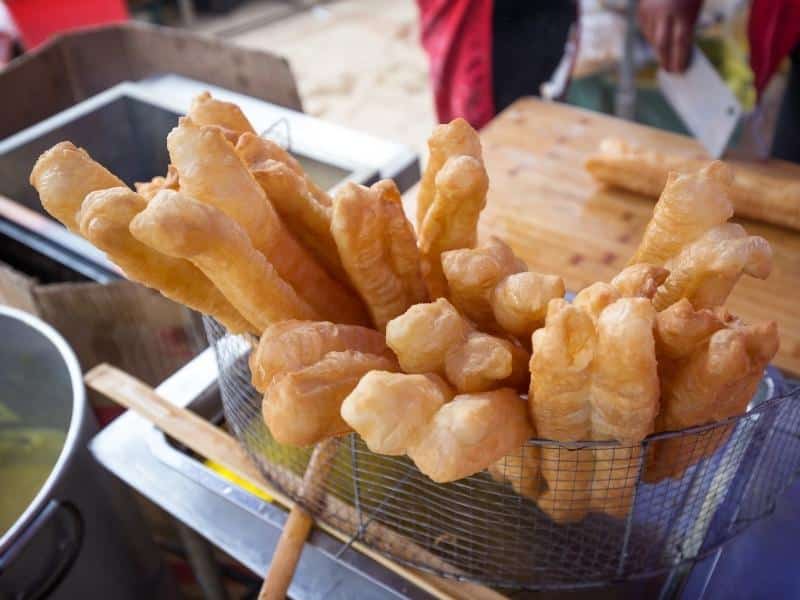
column 624, row 378
column 308, row 220
column 642, row 171
column 290, row 345
column 720, row 380
column 305, row 370
column 148, row 189
column 451, row 222
column 493, row 288
column 559, row 402
column 391, row 411
column 680, row 330
column 456, row 138
column 470, row 433
column 625, row 393
column 639, row 281
column 754, row 195
column 378, row 249
column 520, row 468
column 63, row 176
column 690, row 237
column 484, row 361
column 422, row 336
column 435, row 338
column 473, row 273
column 706, row 270
column 519, row 302
column 206, row 110
column 710, row 370
column 302, row 408
column 177, row 225
column 104, row 219
column 256, row 151
column 690, row 205
column 593, row 377
column 211, row 172
column 595, row 298
column 446, row 439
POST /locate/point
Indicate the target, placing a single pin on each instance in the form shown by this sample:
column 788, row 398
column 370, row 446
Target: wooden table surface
column 550, row 210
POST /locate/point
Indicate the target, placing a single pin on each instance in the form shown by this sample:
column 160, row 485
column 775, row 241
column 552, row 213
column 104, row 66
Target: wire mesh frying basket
column 669, row 500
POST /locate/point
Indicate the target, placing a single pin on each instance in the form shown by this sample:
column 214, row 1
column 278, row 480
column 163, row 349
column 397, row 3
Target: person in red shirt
column 484, row 54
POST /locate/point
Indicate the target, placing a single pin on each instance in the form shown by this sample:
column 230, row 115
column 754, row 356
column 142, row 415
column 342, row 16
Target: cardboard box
column 76, row 65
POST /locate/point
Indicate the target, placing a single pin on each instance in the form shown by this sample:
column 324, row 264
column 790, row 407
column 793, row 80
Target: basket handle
column 298, row 525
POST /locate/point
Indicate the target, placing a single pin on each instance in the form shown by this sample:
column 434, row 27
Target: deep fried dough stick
column 559, row 403
column 640, row 280
column 690, row 205
column 423, row 335
column 456, row 138
column 473, row 273
column 706, row 270
column 681, row 330
column 305, row 370
column 302, row 408
column 255, row 151
column 521, row 470
column 493, row 288
column 307, row 219
column 390, row 411
column 451, row 222
column 625, row 391
column 399, row 413
column 291, row 345
column 755, row 196
column 710, row 364
column 148, row 189
column 484, row 361
column 177, row 225
column 378, row 249
column 593, row 376
column 470, row 433
column 435, row 338
column 206, row 110
column 63, row 176
column 104, row 218
column 211, row 172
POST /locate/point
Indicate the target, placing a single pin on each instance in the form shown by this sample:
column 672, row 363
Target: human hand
column 669, row 27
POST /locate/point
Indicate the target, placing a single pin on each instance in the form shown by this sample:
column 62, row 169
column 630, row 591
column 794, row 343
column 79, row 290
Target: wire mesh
column 550, row 515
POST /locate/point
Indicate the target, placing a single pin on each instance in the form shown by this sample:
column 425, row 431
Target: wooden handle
column 182, row 424
column 298, row 525
column 287, row 553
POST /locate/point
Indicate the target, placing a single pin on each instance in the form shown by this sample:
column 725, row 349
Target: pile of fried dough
column 424, row 342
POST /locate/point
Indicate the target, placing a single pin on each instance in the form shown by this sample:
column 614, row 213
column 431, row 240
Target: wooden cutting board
column 554, row 215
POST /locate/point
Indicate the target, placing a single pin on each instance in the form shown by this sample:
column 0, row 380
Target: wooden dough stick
column 298, row 525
